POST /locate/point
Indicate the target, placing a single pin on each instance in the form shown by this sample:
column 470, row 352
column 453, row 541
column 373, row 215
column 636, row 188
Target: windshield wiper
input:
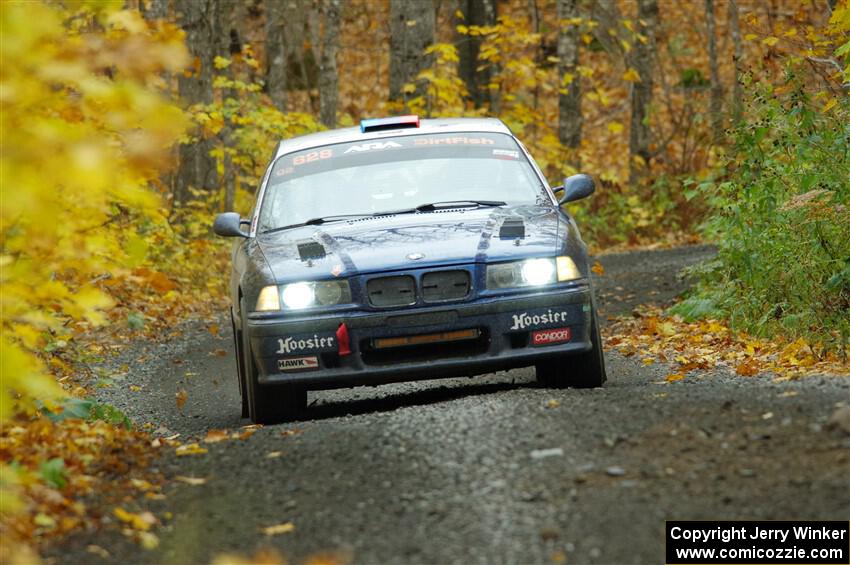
column 322, row 220
column 430, row 207
column 445, row 204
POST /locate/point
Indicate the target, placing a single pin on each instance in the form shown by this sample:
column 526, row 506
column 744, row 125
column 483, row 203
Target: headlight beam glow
column 298, row 295
column 538, row 271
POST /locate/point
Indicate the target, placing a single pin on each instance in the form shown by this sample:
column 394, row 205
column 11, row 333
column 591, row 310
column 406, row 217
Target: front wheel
column 268, row 404
column 583, row 370
column 240, row 365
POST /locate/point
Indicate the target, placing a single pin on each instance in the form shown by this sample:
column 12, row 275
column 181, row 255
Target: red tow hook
column 342, row 340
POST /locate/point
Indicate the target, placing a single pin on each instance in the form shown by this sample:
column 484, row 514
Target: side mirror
column 228, row 224
column 576, row 187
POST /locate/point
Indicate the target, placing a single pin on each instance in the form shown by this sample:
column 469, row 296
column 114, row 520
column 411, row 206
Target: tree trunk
column 201, row 21
column 411, row 32
column 476, row 13
column 735, row 31
column 328, row 76
column 716, row 104
column 642, row 60
column 569, row 99
column 276, row 53
column 155, row 10
column 231, row 45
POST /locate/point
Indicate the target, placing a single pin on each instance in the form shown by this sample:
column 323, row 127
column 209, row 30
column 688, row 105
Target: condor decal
column 548, row 337
column 298, row 364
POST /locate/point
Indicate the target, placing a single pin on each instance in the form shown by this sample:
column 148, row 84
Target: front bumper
column 305, row 351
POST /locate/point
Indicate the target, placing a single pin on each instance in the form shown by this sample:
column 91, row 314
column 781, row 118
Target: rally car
column 407, row 249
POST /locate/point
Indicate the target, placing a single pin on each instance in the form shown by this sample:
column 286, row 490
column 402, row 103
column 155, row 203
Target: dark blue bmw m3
column 407, row 249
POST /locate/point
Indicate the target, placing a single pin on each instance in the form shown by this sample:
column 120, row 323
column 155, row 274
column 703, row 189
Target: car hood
column 408, row 241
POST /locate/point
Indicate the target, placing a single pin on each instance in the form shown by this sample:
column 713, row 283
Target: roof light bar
column 380, row 124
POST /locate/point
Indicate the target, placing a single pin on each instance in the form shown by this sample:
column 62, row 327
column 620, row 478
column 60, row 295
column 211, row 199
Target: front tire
column 583, row 370
column 240, row 365
column 268, row 404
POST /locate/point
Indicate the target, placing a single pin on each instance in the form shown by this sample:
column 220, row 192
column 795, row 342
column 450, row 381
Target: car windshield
column 397, row 173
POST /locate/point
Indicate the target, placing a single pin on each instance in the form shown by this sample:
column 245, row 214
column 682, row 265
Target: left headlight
column 299, row 295
column 531, row 272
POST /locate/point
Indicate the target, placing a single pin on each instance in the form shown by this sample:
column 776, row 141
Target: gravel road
column 492, row 469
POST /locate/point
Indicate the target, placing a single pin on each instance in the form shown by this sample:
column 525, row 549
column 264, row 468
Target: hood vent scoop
column 511, row 228
column 310, row 249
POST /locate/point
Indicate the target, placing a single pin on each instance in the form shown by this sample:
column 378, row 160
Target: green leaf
column 136, row 320
column 53, row 473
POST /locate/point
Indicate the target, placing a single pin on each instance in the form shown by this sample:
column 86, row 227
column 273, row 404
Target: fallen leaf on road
column 148, row 540
column 262, row 557
column 190, row 449
column 97, row 550
column 328, row 559
column 194, row 481
column 142, row 522
column 674, row 377
column 287, row 433
column 284, row 528
column 135, row 388
column 142, row 485
column 273, row 454
column 214, row 329
column 218, row 353
column 598, row 269
column 747, row 368
column 215, row 436
column 704, row 344
column 244, row 435
column 180, row 398
column 553, row 403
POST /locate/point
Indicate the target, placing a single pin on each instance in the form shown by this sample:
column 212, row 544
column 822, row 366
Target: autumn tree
column 276, row 53
column 205, row 38
column 328, row 75
column 738, row 53
column 716, row 104
column 80, row 149
column 569, row 97
column 411, row 32
column 642, row 59
column 477, row 77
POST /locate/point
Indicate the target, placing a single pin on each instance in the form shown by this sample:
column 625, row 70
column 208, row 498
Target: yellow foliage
column 631, row 75
column 80, row 146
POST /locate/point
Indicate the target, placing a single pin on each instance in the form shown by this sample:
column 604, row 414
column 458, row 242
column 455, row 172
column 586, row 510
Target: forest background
column 127, row 126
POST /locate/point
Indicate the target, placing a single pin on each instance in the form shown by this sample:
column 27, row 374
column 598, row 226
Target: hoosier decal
column 298, row 364
column 291, row 345
column 526, row 320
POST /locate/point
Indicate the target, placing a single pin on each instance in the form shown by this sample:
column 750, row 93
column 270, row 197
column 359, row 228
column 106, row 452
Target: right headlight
column 300, row 295
column 531, row 272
